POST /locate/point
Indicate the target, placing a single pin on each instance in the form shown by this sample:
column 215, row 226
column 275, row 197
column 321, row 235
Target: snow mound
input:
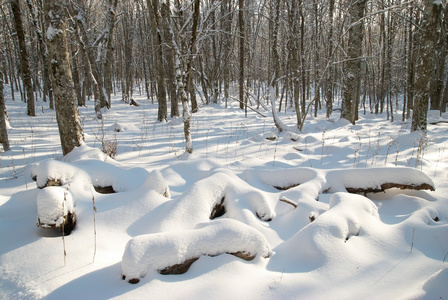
column 53, row 205
column 157, row 252
column 435, row 287
column 376, row 179
column 86, row 152
column 87, row 172
column 54, row 172
column 241, row 202
column 327, row 238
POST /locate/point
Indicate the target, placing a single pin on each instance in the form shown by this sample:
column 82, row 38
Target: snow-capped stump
column 53, row 173
column 375, row 180
column 174, row 252
column 55, row 209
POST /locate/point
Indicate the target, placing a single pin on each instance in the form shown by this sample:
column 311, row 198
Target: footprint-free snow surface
column 338, row 211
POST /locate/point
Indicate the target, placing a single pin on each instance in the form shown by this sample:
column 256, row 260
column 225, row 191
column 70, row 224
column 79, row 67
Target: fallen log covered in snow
column 174, row 252
column 376, row 180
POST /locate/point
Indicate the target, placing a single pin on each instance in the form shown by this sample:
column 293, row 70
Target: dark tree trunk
column 424, row 65
column 67, row 116
column 242, row 53
column 25, row 65
column 353, row 64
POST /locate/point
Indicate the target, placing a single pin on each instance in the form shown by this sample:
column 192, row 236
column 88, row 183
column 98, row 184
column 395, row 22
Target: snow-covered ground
column 258, row 216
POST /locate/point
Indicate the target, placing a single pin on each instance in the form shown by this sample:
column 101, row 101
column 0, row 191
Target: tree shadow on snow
column 105, row 283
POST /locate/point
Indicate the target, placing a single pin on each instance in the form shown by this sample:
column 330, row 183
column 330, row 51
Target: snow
column 53, row 203
column 52, row 32
column 161, row 250
column 285, row 201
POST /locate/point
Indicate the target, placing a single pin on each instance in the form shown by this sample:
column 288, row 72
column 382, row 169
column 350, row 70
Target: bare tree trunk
column 242, row 53
column 69, row 124
column 353, row 64
column 42, row 55
column 329, row 84
column 302, row 58
column 158, row 53
column 169, row 54
column 295, row 63
column 3, row 131
column 25, row 67
column 424, row 64
column 109, row 40
column 410, row 65
column 227, row 27
column 186, row 112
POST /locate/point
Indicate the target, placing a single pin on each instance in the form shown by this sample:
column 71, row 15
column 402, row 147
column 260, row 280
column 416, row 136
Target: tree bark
column 25, row 65
column 169, row 54
column 329, row 83
column 154, row 20
column 67, row 116
column 242, row 53
column 109, row 40
column 3, row 130
column 353, row 64
column 295, row 62
column 424, row 65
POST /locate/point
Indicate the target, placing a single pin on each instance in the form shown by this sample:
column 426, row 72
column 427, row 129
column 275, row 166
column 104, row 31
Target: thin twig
column 62, row 228
column 94, row 223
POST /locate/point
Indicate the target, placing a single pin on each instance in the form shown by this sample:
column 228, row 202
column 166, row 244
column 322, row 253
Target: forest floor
column 285, row 200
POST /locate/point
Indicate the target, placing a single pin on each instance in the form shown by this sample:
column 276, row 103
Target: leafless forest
column 380, row 56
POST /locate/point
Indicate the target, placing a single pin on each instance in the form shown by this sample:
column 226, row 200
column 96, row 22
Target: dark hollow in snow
column 218, row 210
column 179, row 268
column 284, row 188
column 104, row 189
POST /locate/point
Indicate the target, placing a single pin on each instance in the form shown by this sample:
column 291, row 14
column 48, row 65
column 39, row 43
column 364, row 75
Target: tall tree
column 3, row 131
column 69, row 124
column 424, row 63
column 353, row 61
column 169, row 53
column 330, row 73
column 242, row 52
column 109, row 42
column 156, row 28
column 24, row 62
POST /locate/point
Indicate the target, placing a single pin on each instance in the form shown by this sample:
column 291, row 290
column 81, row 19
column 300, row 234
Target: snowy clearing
column 301, row 206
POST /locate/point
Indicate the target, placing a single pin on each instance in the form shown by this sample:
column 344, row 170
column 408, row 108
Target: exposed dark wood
column 390, row 185
column 218, row 210
column 178, row 268
column 104, row 189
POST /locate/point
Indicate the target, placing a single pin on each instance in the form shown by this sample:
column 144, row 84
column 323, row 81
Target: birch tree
column 3, row 131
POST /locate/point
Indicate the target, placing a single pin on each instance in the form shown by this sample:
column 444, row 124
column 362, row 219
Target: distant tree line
column 305, row 55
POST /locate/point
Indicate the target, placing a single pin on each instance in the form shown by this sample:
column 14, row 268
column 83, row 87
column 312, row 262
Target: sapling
column 94, row 222
column 63, row 225
column 24, row 168
column 323, row 145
